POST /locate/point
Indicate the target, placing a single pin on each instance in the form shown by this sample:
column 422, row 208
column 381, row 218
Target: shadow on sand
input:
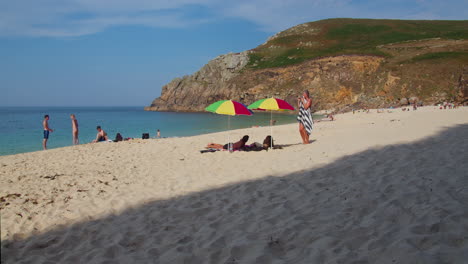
column 281, row 146
column 403, row 203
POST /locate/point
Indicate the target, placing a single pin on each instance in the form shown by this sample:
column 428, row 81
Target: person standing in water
column 47, row 130
column 74, row 129
column 305, row 117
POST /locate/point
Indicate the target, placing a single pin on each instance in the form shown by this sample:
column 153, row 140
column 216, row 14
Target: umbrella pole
column 271, row 128
column 229, row 133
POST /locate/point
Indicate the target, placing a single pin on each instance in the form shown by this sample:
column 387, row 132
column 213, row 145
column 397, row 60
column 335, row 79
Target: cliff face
column 211, row 83
column 427, row 71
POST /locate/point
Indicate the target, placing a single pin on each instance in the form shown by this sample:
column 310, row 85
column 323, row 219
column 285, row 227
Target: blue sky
column 121, row 52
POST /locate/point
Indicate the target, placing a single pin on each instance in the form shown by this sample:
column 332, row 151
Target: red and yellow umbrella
column 272, row 104
column 228, row 107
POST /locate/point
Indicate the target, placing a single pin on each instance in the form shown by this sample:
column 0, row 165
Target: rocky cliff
column 427, row 70
column 211, row 83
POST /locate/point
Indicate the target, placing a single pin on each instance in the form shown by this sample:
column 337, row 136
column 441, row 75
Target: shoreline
column 320, row 113
column 363, row 177
column 195, row 133
column 24, row 135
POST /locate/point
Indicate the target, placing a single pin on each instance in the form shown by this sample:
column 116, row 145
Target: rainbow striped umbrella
column 272, row 104
column 230, row 108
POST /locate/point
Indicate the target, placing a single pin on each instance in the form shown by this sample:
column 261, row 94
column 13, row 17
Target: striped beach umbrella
column 229, row 108
column 272, row 104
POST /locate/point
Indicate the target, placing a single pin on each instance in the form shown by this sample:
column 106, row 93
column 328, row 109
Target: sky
column 121, row 52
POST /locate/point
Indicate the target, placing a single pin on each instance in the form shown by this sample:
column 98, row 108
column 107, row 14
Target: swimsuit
column 46, row 134
column 235, row 146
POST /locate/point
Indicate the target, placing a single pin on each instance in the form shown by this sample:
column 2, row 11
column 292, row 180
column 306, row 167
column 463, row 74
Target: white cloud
column 81, row 17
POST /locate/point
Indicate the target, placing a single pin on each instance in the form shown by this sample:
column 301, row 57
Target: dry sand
column 370, row 188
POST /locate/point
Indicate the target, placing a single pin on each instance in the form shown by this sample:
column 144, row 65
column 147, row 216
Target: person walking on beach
column 158, row 134
column 305, row 117
column 47, row 130
column 74, row 129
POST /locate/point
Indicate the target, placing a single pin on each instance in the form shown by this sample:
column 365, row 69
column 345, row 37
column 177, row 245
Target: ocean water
column 21, row 127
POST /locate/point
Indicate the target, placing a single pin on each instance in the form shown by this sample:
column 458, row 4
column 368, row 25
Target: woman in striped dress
column 305, row 117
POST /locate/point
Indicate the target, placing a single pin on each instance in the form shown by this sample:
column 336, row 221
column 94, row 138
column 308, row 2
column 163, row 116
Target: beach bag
column 118, row 137
column 145, row 136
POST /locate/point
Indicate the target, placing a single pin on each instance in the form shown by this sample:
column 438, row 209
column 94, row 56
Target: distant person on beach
column 328, row 117
column 118, row 138
column 235, row 146
column 158, row 134
column 331, row 117
column 101, row 135
column 74, row 129
column 47, row 130
column 305, row 117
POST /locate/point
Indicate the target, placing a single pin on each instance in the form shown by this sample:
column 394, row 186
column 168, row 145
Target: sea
column 21, row 127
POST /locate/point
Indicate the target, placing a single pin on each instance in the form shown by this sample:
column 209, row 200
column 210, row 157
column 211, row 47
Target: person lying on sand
column 101, row 135
column 329, row 117
column 235, row 146
column 267, row 143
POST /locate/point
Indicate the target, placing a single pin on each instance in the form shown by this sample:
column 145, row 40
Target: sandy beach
column 370, row 188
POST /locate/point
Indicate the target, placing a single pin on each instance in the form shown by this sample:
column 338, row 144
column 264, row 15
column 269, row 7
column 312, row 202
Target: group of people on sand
column 304, row 118
column 241, row 145
column 447, row 105
column 100, row 136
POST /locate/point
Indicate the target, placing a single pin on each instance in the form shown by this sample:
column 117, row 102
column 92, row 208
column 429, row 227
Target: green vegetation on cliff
column 349, row 36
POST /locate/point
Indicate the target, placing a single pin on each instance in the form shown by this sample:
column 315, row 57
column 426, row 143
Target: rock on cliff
column 209, row 84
